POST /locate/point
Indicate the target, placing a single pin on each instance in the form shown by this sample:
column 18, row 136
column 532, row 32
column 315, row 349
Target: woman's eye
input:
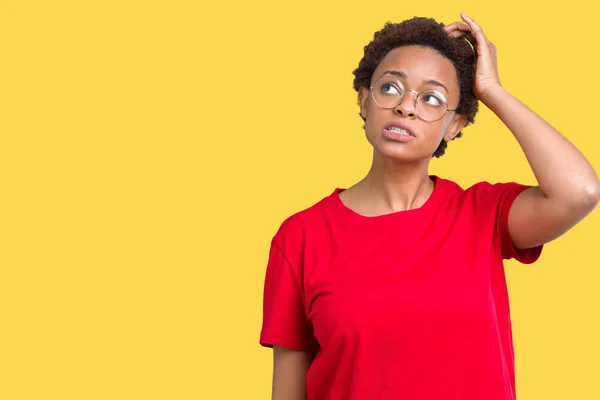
column 388, row 88
column 433, row 100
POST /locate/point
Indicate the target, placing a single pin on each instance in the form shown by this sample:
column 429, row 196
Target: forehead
column 419, row 63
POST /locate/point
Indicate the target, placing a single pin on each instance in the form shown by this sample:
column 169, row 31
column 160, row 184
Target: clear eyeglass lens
column 388, row 92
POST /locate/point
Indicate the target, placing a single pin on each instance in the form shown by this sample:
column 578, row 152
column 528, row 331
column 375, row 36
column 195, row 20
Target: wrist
column 490, row 97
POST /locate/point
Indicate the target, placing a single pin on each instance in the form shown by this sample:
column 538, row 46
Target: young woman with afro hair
column 394, row 288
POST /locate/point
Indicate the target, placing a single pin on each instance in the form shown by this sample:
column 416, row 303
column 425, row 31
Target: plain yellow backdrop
column 150, row 149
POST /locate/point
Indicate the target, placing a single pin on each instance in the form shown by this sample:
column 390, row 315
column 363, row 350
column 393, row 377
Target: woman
column 394, row 288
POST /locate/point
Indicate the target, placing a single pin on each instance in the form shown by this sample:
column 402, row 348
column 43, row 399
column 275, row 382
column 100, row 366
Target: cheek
column 443, row 128
column 436, row 135
column 377, row 116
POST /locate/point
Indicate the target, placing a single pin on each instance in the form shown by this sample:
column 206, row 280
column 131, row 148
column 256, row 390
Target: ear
column 457, row 124
column 363, row 101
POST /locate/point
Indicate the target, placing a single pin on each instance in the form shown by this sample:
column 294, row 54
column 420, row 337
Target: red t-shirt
column 411, row 305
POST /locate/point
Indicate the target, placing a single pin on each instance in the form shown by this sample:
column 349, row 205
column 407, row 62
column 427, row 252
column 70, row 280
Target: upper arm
column 285, row 326
column 534, row 219
column 289, row 373
column 284, row 314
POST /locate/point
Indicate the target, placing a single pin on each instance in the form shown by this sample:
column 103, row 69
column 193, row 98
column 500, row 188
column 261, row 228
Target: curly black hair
column 424, row 32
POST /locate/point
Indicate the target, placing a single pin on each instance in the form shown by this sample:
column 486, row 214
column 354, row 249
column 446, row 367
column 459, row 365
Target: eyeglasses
column 430, row 105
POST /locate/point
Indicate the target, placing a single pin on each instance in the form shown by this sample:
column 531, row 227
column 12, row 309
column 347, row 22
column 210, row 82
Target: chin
column 401, row 152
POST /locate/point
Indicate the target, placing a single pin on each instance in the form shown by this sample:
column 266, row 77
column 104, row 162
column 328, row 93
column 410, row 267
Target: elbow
column 583, row 200
column 592, row 194
column 588, row 197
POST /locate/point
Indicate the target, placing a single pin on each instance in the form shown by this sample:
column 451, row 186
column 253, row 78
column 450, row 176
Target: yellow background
column 149, row 151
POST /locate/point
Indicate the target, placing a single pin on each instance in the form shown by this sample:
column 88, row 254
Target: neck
column 395, row 186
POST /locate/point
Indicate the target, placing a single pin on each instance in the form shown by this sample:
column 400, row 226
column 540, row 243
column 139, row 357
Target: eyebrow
column 402, row 75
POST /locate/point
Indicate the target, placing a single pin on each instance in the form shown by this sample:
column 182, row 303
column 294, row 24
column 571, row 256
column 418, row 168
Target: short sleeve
column 284, row 318
column 504, row 194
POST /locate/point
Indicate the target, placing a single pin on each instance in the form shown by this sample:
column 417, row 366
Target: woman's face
column 417, row 68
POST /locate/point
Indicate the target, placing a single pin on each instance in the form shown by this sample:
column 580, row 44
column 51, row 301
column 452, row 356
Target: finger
column 461, row 26
column 462, row 29
column 451, row 26
column 460, row 32
column 467, row 35
column 477, row 31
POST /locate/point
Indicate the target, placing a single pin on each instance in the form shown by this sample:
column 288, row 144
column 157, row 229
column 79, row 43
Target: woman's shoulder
column 296, row 224
column 482, row 191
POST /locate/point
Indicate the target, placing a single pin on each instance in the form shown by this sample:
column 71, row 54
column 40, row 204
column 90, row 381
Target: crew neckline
column 433, row 199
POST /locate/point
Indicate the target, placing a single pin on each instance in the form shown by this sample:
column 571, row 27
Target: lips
column 399, row 125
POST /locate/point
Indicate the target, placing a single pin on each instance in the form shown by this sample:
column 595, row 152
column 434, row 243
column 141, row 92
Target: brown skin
column 399, row 167
column 398, row 179
column 289, row 373
column 568, row 190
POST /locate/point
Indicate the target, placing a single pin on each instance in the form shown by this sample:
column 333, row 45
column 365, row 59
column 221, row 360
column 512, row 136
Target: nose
column 407, row 105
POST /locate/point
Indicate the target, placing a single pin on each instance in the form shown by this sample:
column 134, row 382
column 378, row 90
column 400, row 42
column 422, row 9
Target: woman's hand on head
column 486, row 76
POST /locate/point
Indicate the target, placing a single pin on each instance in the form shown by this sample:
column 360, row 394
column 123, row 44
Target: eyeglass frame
column 404, row 90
